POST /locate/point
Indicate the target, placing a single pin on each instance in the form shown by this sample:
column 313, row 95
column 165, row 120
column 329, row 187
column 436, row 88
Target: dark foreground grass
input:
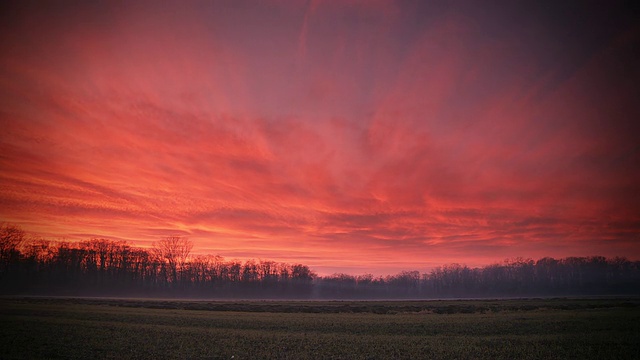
column 482, row 329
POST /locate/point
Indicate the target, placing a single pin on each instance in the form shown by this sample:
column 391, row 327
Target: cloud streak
column 376, row 137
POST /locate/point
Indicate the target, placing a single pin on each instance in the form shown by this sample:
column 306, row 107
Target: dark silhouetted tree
column 11, row 237
column 173, row 251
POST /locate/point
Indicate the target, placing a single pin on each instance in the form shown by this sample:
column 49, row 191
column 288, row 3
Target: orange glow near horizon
column 349, row 136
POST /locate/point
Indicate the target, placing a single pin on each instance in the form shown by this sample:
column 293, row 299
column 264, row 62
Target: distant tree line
column 595, row 275
column 108, row 267
column 101, row 267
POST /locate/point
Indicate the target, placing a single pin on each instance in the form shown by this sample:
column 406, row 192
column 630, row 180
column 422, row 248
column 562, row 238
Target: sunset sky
column 350, row 136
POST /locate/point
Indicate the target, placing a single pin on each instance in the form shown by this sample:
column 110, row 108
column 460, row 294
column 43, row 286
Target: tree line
column 103, row 267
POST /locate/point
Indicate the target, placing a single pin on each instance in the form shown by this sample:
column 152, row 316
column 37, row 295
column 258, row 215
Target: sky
column 350, row 136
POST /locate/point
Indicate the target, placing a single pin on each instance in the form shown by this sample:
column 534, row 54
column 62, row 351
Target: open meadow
column 68, row 328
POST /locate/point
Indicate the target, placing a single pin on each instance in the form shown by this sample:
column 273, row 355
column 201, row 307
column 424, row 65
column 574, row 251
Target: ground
column 69, row 328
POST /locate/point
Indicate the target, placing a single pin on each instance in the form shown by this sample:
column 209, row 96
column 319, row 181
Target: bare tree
column 174, row 252
column 11, row 237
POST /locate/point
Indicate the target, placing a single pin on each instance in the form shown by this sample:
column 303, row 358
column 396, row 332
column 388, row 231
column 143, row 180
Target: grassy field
column 478, row 329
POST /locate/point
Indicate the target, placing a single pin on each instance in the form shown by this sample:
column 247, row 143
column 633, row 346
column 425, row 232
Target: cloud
column 408, row 137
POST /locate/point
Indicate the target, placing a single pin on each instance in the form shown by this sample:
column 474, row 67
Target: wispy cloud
column 353, row 137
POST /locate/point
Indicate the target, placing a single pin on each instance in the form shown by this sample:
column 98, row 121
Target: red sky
column 351, row 136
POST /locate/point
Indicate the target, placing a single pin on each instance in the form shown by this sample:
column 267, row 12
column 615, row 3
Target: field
column 59, row 328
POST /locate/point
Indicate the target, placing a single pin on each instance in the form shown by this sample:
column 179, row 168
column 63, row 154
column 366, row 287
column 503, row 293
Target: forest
column 103, row 267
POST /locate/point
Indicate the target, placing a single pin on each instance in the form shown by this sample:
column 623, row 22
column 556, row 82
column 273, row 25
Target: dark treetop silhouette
column 112, row 268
